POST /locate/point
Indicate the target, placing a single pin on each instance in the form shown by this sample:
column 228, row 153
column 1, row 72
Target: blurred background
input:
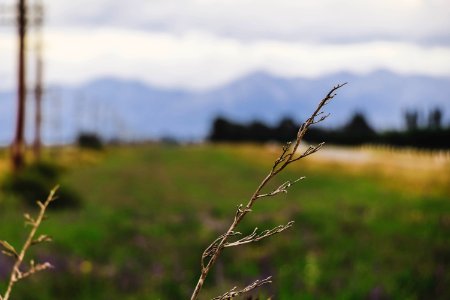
column 159, row 117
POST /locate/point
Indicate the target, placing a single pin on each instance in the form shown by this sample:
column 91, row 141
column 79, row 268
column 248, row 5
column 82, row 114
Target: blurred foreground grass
column 370, row 224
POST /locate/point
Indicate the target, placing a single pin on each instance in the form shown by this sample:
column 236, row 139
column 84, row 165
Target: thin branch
column 254, row 237
column 33, row 269
column 241, row 211
column 309, row 151
column 16, row 274
column 289, row 156
column 286, row 157
column 283, row 188
column 210, row 250
column 282, row 156
column 233, row 293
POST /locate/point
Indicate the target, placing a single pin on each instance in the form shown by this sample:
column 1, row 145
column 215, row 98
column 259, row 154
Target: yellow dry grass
column 407, row 170
column 4, row 162
column 66, row 156
column 418, row 171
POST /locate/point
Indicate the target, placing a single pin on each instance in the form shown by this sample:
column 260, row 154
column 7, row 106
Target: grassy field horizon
column 370, row 223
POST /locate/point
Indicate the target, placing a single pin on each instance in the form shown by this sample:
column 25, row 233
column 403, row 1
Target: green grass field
column 363, row 230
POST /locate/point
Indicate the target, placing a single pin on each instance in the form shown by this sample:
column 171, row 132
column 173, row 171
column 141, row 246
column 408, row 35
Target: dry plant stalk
column 233, row 293
column 288, row 156
column 16, row 273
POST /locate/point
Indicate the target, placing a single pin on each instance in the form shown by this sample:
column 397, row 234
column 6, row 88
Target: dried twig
column 283, row 188
column 16, row 273
column 255, row 237
column 252, row 237
column 233, row 293
column 287, row 156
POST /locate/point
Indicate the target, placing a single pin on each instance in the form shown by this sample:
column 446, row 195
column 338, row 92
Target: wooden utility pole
column 23, row 20
column 38, row 88
column 18, row 146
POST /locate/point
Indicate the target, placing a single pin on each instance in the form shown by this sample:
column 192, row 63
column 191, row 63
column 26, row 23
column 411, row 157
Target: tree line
column 419, row 132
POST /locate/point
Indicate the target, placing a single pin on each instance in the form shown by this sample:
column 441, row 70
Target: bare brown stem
column 234, row 293
column 16, row 274
column 287, row 157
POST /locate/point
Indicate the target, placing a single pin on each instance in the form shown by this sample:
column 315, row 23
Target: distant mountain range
column 133, row 110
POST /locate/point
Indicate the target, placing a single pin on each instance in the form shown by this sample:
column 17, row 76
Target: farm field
column 370, row 223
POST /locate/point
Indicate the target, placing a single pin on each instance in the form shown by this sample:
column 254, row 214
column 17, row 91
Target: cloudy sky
column 198, row 44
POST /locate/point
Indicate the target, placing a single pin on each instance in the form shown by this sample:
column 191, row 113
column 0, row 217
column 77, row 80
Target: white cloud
column 310, row 21
column 203, row 43
column 200, row 60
